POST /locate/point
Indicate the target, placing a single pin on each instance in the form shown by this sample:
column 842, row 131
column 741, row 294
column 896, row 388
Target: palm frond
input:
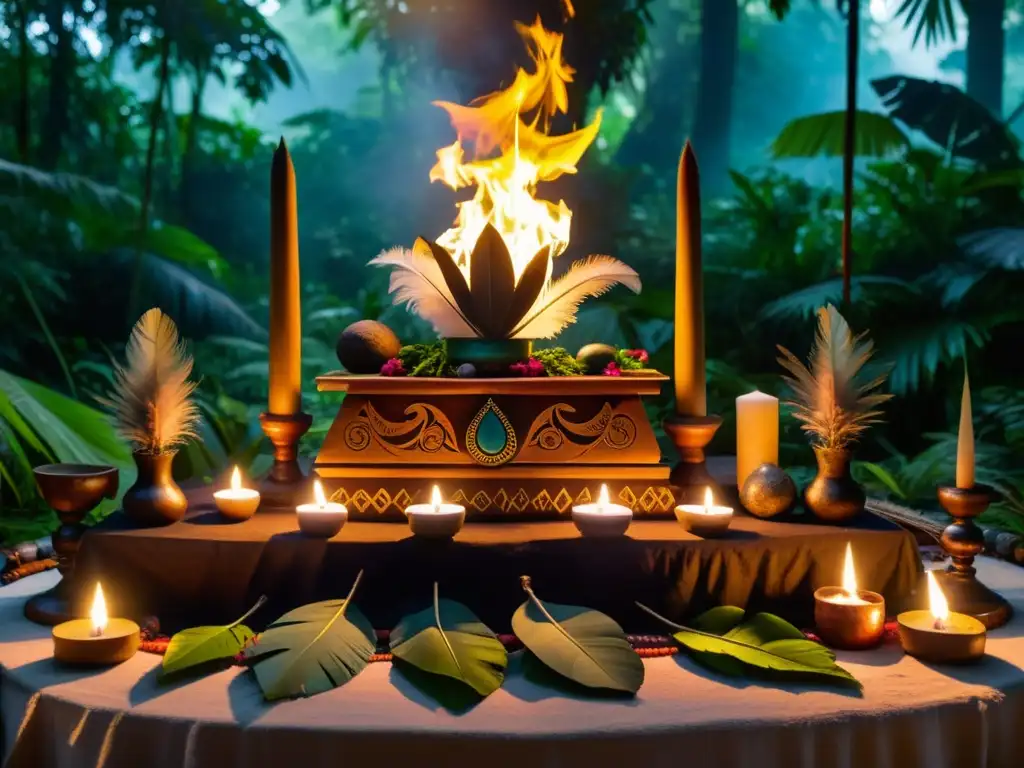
column 556, row 307
column 831, row 399
column 417, row 280
column 875, row 135
column 1000, row 247
column 152, row 396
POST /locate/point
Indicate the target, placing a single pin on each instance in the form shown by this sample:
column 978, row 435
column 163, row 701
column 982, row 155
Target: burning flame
column 318, row 494
column 937, row 601
column 98, row 613
column 435, row 499
column 849, row 575
column 602, row 498
column 236, row 480
column 513, row 123
column 709, row 500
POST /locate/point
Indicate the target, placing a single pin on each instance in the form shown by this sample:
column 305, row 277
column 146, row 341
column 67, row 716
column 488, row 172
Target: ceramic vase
column 155, row 499
column 833, row 495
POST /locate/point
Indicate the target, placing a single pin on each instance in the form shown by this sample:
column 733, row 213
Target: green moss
column 426, row 359
column 558, row 362
column 627, row 363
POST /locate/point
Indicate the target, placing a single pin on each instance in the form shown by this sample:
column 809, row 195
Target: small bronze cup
column 849, row 626
column 72, row 491
column 963, row 540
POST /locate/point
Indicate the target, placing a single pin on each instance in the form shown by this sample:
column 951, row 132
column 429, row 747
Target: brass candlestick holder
column 691, row 435
column 285, row 485
column 963, row 540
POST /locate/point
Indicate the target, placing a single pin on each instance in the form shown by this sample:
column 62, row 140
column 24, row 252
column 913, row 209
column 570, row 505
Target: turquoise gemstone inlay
column 491, row 435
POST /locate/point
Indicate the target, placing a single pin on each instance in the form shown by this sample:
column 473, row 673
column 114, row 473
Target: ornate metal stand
column 963, row 540
column 690, row 476
column 285, row 485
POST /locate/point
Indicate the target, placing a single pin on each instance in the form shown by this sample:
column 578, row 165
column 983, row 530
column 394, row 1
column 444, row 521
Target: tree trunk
column 21, row 126
column 191, row 138
column 849, row 141
column 986, row 49
column 62, row 62
column 655, row 136
column 719, row 48
column 154, row 128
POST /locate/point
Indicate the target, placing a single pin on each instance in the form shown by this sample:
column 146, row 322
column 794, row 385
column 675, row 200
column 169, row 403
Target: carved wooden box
column 505, row 448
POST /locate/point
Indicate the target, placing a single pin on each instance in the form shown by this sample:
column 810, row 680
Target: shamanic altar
column 506, row 446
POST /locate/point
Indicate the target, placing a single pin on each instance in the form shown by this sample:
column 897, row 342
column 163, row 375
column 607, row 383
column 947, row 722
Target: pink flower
column 531, row 368
column 637, row 354
column 393, row 367
column 612, row 369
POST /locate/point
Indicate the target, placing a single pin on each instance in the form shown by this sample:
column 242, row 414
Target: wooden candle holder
column 690, row 477
column 504, row 448
column 963, row 540
column 285, row 486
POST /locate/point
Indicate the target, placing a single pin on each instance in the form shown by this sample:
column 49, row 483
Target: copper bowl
column 845, row 626
column 72, row 490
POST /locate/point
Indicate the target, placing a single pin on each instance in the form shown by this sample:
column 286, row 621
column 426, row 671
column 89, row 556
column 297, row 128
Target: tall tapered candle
column 691, row 391
column 757, row 433
column 285, row 324
column 965, row 441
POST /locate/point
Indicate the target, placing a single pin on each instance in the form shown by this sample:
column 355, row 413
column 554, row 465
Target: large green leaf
column 876, row 135
column 725, row 640
column 581, row 644
column 448, row 639
column 313, row 649
column 202, row 646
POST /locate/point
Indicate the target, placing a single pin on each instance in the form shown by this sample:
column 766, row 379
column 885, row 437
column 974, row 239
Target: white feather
column 416, row 280
column 557, row 305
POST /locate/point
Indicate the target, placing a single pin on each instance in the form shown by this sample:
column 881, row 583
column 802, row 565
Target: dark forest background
column 136, row 138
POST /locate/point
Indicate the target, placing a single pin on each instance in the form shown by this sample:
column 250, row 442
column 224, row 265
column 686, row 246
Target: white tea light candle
column 98, row 640
column 704, row 520
column 435, row 520
column 236, row 502
column 602, row 519
column 757, row 433
column 322, row 519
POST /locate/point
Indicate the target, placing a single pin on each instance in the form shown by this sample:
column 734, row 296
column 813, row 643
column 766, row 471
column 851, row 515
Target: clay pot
column 155, row 499
column 833, row 495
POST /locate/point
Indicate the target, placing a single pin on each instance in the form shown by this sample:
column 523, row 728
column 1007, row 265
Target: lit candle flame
column 318, row 494
column 435, row 499
column 98, row 614
column 602, row 499
column 849, row 575
column 709, row 500
column 236, row 480
column 937, row 601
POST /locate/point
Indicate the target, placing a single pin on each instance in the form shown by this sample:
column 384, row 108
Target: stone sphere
column 595, row 357
column 466, row 371
column 366, row 345
column 768, row 491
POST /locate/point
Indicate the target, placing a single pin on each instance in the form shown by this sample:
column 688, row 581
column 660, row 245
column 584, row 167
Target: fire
column 98, row 612
column 849, row 575
column 937, row 603
column 513, row 153
column 318, row 494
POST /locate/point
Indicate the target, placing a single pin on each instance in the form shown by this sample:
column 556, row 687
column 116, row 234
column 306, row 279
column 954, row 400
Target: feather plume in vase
column 152, row 398
column 494, row 303
column 831, row 398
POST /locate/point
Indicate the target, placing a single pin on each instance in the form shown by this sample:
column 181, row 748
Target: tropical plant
column 833, row 401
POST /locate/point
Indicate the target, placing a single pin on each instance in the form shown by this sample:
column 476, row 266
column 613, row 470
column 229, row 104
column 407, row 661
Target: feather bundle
column 152, row 398
column 830, row 397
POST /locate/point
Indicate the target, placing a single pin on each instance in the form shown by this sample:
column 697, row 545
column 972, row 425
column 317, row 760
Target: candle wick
column 939, row 625
column 96, row 632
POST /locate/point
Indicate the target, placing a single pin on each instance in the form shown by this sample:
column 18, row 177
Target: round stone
column 768, row 491
column 45, row 547
column 466, row 371
column 595, row 357
column 27, row 551
column 1006, row 542
column 366, row 345
column 991, row 534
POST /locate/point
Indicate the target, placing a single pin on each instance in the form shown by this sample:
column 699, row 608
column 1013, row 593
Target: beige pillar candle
column 757, row 433
column 285, row 323
column 690, row 386
column 965, row 441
